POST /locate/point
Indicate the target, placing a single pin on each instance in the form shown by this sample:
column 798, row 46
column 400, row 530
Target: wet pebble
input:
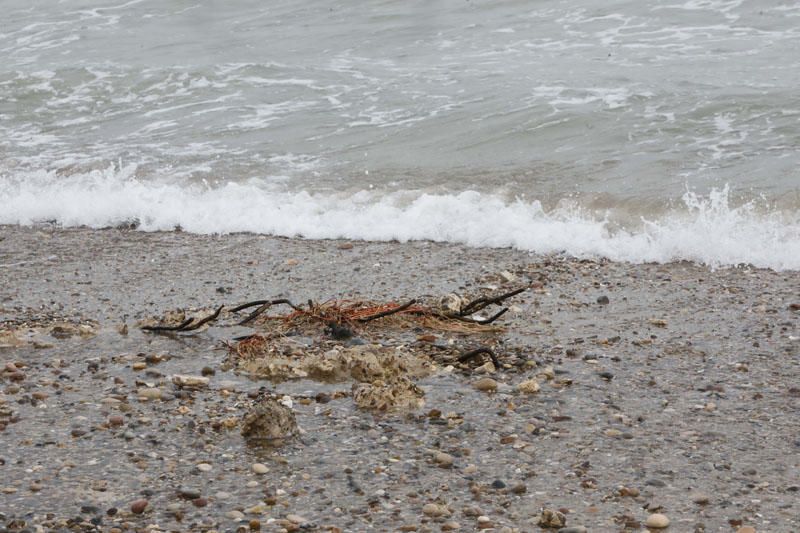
column 189, row 493
column 444, row 460
column 530, row 386
column 434, row 510
column 498, row 484
column 657, row 521
column 485, row 385
column 260, row 468
column 138, row 506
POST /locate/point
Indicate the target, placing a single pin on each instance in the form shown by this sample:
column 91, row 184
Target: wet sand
column 678, row 396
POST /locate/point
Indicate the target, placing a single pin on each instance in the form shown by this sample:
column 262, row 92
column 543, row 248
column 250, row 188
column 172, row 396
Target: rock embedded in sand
column 138, row 506
column 204, row 467
column 657, row 521
column 269, row 420
column 700, row 498
column 485, row 385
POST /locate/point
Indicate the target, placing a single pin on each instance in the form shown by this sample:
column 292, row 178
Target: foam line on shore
column 707, row 229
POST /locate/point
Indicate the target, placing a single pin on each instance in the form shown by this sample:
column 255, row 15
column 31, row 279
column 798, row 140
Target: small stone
column 552, row 519
column 254, row 525
column 498, row 484
column 529, row 386
column 204, row 467
column 444, row 460
column 434, row 509
column 470, row 469
column 603, row 300
column 573, row 529
column 139, row 506
column 189, row 493
column 115, row 421
column 519, row 488
column 235, row 515
column 200, row 502
column 190, row 382
column 485, row 385
column 296, row 519
column 260, row 468
column 700, row 498
column 657, row 521
column 746, row 529
column 207, row 371
column 149, row 393
column 484, row 522
column 141, row 365
column 451, row 525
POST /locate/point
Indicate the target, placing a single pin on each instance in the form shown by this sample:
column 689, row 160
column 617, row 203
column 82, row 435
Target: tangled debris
column 381, row 347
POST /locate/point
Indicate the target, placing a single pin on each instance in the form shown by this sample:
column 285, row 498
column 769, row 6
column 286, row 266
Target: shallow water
column 292, row 117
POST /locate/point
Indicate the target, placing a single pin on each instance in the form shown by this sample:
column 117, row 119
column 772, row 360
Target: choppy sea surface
column 633, row 130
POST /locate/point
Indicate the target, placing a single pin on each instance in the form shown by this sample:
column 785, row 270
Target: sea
column 633, row 130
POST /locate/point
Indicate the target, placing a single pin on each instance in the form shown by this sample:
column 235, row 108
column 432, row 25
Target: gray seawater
column 635, row 130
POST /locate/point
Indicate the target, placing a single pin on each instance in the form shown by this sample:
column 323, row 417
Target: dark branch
column 480, row 303
column 243, row 306
column 266, row 305
column 206, row 320
column 463, row 358
column 179, row 327
column 389, row 312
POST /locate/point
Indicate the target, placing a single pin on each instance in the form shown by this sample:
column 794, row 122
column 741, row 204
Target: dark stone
column 603, row 300
column 498, row 484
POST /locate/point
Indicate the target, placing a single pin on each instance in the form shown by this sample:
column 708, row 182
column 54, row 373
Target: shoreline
column 682, row 386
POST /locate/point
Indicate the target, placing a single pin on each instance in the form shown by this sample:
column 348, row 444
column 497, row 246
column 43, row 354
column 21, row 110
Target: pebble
column 470, row 469
column 573, row 529
column 235, row 515
column 485, row 385
column 260, row 468
column 530, row 386
column 484, row 522
column 700, row 498
column 746, row 529
column 149, row 393
column 434, row 509
column 189, row 493
column 451, row 526
column 657, row 521
column 498, row 484
column 204, row 467
column 138, row 506
column 115, row 421
column 190, row 382
column 296, row 519
column 200, row 502
column 444, row 460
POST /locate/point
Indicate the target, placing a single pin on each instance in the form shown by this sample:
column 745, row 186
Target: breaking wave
column 704, row 229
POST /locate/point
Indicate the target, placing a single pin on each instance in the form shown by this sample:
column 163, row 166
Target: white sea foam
column 705, row 229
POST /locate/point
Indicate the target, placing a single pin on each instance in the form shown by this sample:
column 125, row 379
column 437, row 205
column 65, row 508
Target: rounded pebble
column 204, row 467
column 139, row 506
column 485, row 385
column 444, row 460
column 657, row 521
column 260, row 468
column 433, row 509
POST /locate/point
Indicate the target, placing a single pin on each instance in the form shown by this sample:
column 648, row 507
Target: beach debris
column 382, row 347
column 551, row 519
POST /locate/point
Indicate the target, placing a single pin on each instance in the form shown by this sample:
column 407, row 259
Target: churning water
column 636, row 130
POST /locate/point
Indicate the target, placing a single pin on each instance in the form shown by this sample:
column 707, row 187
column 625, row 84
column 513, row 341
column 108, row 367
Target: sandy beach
column 662, row 390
